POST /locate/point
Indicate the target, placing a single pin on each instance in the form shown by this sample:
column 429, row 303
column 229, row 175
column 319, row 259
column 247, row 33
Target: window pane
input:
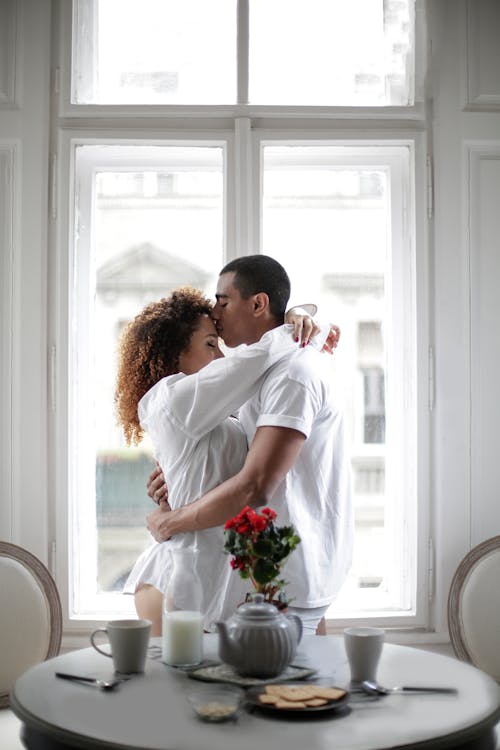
column 154, row 52
column 150, row 220
column 328, row 217
column 331, row 52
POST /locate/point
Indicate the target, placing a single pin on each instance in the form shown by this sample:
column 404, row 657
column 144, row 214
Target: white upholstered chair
column 474, row 608
column 30, row 615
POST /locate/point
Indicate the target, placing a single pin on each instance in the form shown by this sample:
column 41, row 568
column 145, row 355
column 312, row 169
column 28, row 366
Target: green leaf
column 263, row 548
column 265, row 571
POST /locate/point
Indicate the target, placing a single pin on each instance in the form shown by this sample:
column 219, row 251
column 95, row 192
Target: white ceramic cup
column 363, row 647
column 129, row 640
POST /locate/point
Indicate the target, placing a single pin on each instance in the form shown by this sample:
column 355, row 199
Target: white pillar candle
column 182, row 642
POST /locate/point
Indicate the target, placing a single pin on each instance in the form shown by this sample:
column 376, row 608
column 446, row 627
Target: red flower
column 260, row 523
column 237, row 563
column 269, row 513
column 259, row 549
column 251, row 517
column 249, row 522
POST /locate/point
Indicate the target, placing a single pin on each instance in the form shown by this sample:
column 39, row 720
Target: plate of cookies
column 284, row 698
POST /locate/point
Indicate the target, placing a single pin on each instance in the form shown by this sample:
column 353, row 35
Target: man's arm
column 273, row 452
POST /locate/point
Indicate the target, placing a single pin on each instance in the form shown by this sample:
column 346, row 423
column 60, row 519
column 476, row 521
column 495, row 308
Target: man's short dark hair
column 260, row 273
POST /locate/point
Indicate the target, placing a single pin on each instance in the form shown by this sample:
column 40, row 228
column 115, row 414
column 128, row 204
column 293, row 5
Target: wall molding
column 8, row 169
column 480, row 41
column 481, row 236
column 9, row 58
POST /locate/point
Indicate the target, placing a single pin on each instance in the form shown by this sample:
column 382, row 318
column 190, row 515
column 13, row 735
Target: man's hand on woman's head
column 156, row 486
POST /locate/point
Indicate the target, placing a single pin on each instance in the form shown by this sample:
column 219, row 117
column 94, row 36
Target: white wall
column 24, row 134
column 466, row 124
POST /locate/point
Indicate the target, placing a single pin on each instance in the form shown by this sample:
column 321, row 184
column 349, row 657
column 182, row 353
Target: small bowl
column 216, row 703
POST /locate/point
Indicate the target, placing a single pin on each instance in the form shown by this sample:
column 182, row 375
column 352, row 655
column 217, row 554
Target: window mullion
column 242, row 51
column 243, row 187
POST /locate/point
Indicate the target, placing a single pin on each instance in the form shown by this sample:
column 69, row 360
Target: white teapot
column 258, row 640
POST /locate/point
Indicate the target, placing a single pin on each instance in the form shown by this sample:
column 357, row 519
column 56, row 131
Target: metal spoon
column 373, row 688
column 103, row 684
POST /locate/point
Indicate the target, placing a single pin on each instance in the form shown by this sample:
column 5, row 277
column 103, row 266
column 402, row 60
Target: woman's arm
column 199, row 402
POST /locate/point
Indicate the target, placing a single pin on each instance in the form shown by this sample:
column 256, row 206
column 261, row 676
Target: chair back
column 30, row 615
column 474, row 608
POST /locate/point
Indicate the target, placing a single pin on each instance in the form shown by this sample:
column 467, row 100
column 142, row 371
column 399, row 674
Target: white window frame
column 244, row 128
column 65, row 301
column 81, row 479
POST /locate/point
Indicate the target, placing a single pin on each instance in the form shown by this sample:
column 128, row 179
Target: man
column 297, row 460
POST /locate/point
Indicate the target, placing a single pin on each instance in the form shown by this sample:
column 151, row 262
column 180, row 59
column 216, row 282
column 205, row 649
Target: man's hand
column 157, row 487
column 157, row 521
column 332, row 340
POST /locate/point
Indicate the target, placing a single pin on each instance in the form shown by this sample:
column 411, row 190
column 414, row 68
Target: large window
column 151, row 219
column 298, row 52
column 163, row 194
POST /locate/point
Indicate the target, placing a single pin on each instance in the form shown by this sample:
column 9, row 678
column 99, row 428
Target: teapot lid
column 258, row 608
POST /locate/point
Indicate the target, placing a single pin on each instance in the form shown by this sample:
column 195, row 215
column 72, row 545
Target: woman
column 170, row 365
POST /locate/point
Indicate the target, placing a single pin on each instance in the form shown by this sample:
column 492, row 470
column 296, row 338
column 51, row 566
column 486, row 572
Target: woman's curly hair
column 149, row 350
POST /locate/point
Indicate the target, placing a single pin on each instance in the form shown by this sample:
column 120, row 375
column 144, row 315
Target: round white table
column 151, row 711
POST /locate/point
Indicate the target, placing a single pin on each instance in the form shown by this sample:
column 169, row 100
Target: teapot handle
column 298, row 623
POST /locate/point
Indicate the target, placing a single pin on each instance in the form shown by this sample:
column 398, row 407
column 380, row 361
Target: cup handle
column 99, row 630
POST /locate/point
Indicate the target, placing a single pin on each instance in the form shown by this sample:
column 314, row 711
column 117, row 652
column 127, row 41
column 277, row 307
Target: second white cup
column 129, row 640
column 363, row 646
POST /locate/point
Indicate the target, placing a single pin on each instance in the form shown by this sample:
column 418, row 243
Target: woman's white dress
column 199, row 445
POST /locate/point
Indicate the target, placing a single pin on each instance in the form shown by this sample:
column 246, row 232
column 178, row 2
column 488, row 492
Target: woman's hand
column 332, row 339
column 305, row 327
column 157, row 487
